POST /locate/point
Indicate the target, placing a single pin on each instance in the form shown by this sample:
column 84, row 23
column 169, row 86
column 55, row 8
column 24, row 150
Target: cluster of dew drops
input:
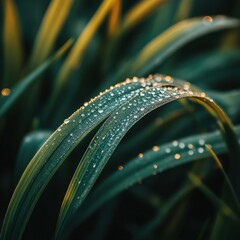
column 189, row 148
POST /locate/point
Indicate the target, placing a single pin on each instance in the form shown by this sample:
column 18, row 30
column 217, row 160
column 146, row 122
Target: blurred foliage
column 56, row 55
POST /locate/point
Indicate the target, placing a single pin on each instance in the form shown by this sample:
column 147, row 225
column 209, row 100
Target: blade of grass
column 12, row 44
column 57, row 148
column 168, row 206
column 156, row 160
column 175, row 37
column 184, row 9
column 20, row 88
column 213, row 154
column 168, row 42
column 224, row 208
column 114, row 18
column 75, row 56
column 51, row 25
column 29, row 146
column 111, row 133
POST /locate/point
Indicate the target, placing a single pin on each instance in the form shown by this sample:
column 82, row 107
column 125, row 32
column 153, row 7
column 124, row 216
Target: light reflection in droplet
column 5, row 92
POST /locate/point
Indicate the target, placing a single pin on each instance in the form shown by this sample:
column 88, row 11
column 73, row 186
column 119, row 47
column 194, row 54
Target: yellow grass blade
column 139, row 12
column 184, row 9
column 114, row 18
column 228, row 182
column 51, row 25
column 223, row 207
column 12, row 43
column 74, row 58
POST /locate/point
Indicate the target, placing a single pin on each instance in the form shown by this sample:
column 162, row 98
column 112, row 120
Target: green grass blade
column 168, row 42
column 57, row 148
column 12, row 42
column 7, row 101
column 158, row 159
column 51, row 25
column 224, row 208
column 29, row 146
column 75, row 56
column 110, row 134
column 172, row 39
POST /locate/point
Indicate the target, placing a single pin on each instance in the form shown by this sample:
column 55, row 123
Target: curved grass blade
column 29, row 146
column 74, row 59
column 114, row 18
column 111, row 133
column 7, row 101
column 168, row 42
column 12, row 42
column 158, row 159
column 172, row 39
column 51, row 25
column 224, row 208
column 57, row 148
column 228, row 182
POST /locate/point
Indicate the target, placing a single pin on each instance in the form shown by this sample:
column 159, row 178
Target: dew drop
column 177, row 156
column 140, row 155
column 201, row 142
column 190, row 146
column 190, row 152
column 66, row 121
column 120, row 168
column 181, row 145
column 200, row 150
column 5, row 92
column 167, row 150
column 207, row 20
column 100, row 110
column 175, row 143
column 155, row 166
column 155, row 148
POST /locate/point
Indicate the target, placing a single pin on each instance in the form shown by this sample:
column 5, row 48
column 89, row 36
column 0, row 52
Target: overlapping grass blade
column 51, row 25
column 29, row 146
column 158, row 159
column 111, row 133
column 12, row 41
column 224, row 208
column 74, row 59
column 56, row 149
column 7, row 101
column 168, row 42
column 172, row 39
column 114, row 18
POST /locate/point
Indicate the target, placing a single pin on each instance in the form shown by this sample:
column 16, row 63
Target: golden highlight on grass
column 52, row 23
column 114, row 18
column 161, row 41
column 74, row 58
column 229, row 184
column 184, row 9
column 224, row 208
column 12, row 42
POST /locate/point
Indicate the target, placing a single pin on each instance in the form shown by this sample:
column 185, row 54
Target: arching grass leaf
column 29, row 146
column 113, row 130
column 156, row 160
column 60, row 144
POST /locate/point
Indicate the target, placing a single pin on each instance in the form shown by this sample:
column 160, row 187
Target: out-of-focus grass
column 113, row 40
